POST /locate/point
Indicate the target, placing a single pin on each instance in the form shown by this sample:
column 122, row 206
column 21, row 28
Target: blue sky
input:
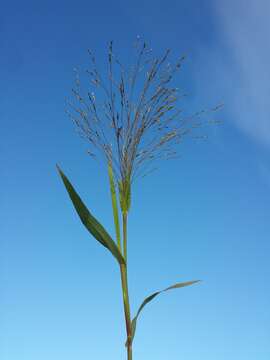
column 203, row 216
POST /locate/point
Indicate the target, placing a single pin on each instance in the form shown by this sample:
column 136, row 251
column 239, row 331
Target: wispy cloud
column 244, row 28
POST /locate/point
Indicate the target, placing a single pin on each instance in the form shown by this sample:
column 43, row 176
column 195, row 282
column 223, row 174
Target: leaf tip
column 59, row 170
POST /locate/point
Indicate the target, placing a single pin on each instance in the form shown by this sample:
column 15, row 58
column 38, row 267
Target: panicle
column 132, row 117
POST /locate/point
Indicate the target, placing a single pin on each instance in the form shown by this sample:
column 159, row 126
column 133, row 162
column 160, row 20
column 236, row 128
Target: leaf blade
column 152, row 296
column 114, row 206
column 89, row 221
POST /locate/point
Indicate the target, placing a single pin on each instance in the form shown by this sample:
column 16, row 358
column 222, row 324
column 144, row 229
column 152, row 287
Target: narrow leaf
column 91, row 223
column 114, row 206
column 151, row 297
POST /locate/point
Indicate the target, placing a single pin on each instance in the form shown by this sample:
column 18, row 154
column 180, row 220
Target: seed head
column 132, row 117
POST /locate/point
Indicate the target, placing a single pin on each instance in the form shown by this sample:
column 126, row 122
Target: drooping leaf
column 114, row 206
column 89, row 221
column 151, row 297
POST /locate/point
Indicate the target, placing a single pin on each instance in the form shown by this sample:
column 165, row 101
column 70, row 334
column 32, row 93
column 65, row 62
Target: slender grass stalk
column 125, row 217
column 131, row 129
column 124, row 280
column 125, row 290
column 123, row 267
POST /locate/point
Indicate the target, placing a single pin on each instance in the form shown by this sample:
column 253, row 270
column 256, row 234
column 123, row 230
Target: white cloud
column 244, row 27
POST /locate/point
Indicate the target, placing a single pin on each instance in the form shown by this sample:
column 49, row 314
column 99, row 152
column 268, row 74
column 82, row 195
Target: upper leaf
column 114, row 206
column 151, row 297
column 89, row 221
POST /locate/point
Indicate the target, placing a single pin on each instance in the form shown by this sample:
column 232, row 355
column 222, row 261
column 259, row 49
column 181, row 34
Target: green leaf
column 151, row 297
column 91, row 224
column 114, row 206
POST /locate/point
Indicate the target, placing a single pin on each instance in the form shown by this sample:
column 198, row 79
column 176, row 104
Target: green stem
column 129, row 352
column 124, row 216
column 123, row 267
column 124, row 279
